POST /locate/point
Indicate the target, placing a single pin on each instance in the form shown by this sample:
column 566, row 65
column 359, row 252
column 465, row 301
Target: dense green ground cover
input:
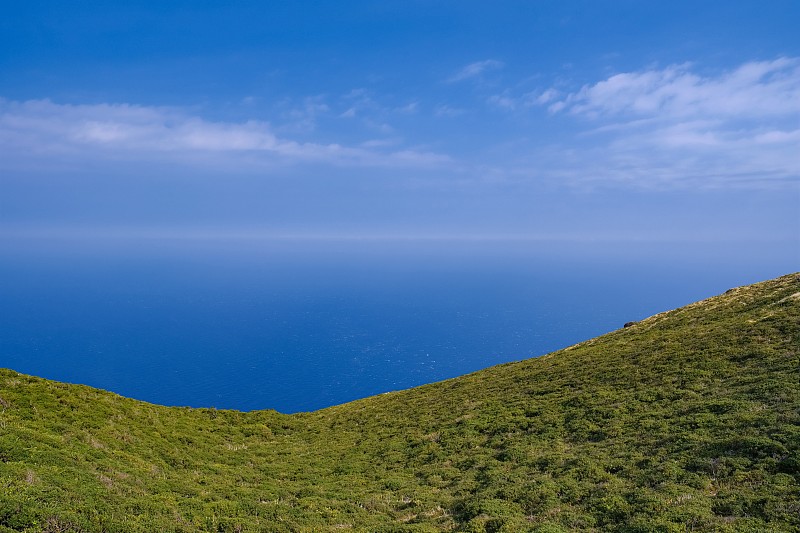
column 686, row 421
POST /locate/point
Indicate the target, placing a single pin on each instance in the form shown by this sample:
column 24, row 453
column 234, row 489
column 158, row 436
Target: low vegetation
column 685, row 421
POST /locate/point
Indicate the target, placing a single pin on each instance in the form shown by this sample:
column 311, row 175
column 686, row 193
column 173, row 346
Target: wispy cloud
column 303, row 118
column 87, row 133
column 448, row 111
column 675, row 126
column 657, row 127
column 475, row 69
column 756, row 89
column 358, row 102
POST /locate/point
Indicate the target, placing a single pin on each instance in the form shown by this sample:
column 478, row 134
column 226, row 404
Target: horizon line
column 264, row 234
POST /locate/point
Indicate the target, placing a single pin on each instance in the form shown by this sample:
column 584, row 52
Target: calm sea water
column 297, row 326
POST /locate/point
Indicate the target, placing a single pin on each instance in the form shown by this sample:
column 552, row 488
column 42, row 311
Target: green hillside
column 685, row 421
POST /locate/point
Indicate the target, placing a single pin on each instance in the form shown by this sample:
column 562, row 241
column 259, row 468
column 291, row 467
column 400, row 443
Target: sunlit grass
column 686, row 421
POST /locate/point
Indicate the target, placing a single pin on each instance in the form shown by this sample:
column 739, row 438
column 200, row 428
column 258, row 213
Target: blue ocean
column 298, row 325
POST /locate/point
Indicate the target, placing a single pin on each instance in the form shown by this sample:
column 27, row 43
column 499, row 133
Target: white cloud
column 547, row 96
column 361, row 104
column 755, row 89
column 504, row 101
column 448, row 111
column 475, row 69
column 673, row 126
column 360, row 99
column 380, row 143
column 86, row 133
column 508, row 101
column 302, row 118
column 408, row 109
column 374, row 113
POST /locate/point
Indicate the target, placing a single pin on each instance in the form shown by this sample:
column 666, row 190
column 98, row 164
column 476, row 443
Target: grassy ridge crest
column 687, row 420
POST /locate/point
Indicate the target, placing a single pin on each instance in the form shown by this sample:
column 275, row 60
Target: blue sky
column 556, row 120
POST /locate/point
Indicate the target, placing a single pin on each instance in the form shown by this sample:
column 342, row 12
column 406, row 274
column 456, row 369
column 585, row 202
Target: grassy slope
column 689, row 420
